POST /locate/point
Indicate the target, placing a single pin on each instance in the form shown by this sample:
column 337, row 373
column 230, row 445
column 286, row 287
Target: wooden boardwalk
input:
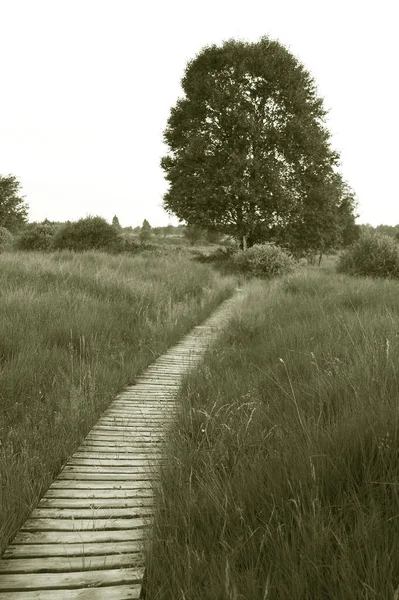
column 84, row 539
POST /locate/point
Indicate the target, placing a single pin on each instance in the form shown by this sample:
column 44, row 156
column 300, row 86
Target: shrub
column 37, row 236
column 90, row 233
column 220, row 255
column 373, row 255
column 6, row 238
column 124, row 243
column 265, row 260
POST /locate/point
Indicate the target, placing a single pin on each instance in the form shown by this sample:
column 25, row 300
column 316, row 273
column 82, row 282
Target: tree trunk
column 244, row 243
column 320, row 257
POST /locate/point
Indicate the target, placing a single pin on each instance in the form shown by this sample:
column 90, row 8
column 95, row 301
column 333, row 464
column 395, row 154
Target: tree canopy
column 13, row 209
column 248, row 146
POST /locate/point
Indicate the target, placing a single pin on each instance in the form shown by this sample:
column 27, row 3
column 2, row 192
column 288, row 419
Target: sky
column 86, row 88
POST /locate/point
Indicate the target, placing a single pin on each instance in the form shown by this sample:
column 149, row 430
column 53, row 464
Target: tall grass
column 283, row 473
column 74, row 329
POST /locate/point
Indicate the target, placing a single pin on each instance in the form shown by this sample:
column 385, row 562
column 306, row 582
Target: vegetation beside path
column 74, row 329
column 283, row 479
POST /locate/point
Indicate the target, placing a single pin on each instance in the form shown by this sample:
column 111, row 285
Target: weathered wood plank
column 103, row 484
column 128, row 445
column 43, row 581
column 136, row 427
column 99, row 494
column 137, row 417
column 127, row 439
column 78, row 537
column 115, row 592
column 71, row 563
column 75, row 549
column 126, row 435
column 97, row 503
column 89, row 524
column 123, row 456
column 114, row 462
column 91, row 512
column 93, row 469
column 105, row 476
column 130, row 450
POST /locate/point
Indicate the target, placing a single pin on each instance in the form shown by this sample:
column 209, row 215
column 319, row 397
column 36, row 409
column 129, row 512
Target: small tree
column 13, row 209
column 145, row 232
column 116, row 224
column 193, row 233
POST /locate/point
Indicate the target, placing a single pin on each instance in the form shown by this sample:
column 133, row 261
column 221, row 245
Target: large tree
column 13, row 209
column 247, row 142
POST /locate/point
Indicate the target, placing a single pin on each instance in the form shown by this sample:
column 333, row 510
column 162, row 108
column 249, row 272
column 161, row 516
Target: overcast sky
column 87, row 86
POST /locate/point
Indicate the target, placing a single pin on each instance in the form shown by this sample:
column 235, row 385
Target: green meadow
column 282, row 478
column 75, row 329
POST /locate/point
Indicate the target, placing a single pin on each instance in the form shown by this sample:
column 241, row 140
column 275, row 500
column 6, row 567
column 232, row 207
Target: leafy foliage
column 324, row 220
column 90, row 233
column 13, row 209
column 6, row 238
column 374, row 255
column 37, row 236
column 265, row 260
column 248, row 145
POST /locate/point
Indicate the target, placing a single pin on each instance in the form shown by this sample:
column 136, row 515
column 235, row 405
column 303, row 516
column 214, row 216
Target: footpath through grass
column 74, row 329
column 283, row 473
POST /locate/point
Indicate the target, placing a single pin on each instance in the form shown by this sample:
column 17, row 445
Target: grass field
column 74, row 329
column 283, row 475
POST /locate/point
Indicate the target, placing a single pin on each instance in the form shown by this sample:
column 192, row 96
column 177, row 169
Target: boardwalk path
column 84, row 540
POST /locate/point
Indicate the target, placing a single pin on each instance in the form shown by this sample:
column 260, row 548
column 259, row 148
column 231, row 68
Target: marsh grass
column 282, row 478
column 74, row 329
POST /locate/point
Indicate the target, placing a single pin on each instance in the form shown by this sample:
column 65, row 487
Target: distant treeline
column 391, row 230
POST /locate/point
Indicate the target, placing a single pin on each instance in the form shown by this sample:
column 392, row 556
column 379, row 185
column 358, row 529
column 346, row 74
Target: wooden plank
column 103, row 484
column 105, row 476
column 126, row 445
column 135, row 414
column 126, row 439
column 92, row 512
column 137, row 419
column 96, row 503
column 90, row 524
column 123, row 450
column 93, row 469
column 115, row 462
column 116, row 477
column 78, row 537
column 126, row 434
column 115, row 592
column 71, row 563
column 15, row 551
column 98, row 494
column 161, row 408
column 124, row 456
column 140, row 428
column 50, row 581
